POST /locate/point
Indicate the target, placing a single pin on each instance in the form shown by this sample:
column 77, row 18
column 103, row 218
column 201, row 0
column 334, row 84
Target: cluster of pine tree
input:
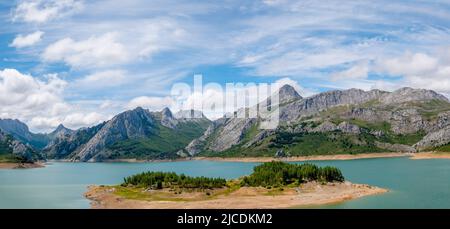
column 160, row 180
column 280, row 173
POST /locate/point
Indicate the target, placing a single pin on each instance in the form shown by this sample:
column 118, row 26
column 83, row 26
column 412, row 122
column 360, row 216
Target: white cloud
column 20, row 93
column 109, row 78
column 27, row 40
column 73, row 120
column 40, row 103
column 83, row 119
column 358, row 71
column 97, row 51
column 40, row 11
column 409, row 64
column 419, row 70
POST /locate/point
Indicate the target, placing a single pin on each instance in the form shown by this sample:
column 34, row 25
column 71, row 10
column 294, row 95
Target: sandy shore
column 430, row 155
column 306, row 158
column 103, row 197
column 21, row 165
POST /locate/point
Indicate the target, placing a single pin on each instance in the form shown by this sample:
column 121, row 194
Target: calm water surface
column 412, row 183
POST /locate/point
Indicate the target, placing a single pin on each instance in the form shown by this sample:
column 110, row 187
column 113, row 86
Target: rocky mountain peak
column 60, row 131
column 288, row 93
column 166, row 113
column 167, row 118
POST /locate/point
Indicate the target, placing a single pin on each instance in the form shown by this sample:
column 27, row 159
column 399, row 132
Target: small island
column 271, row 185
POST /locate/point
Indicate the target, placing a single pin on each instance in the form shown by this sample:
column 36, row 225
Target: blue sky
column 80, row 62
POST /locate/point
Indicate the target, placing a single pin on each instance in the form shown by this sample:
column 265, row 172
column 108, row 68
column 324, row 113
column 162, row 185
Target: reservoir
column 411, row 183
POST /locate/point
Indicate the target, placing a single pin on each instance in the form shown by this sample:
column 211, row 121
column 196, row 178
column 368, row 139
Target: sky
column 80, row 62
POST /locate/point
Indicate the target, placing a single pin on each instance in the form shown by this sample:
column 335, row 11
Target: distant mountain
column 137, row 133
column 333, row 122
column 288, row 94
column 347, row 121
column 60, row 130
column 12, row 150
column 20, row 131
column 66, row 143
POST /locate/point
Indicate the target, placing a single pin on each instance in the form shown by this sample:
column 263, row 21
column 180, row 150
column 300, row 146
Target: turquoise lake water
column 412, row 183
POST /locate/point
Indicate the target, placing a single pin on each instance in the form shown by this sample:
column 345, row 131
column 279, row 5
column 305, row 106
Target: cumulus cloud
column 419, row 70
column 40, row 103
column 40, row 11
column 358, row 71
column 409, row 64
column 27, row 40
column 20, row 93
column 96, row 51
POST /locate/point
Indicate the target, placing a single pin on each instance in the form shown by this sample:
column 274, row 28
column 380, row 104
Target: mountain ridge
column 332, row 122
column 131, row 130
column 349, row 115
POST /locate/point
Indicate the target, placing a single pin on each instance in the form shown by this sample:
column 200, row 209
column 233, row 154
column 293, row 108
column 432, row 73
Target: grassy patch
column 389, row 136
column 251, row 133
column 10, row 158
column 444, row 148
column 431, row 109
column 383, row 126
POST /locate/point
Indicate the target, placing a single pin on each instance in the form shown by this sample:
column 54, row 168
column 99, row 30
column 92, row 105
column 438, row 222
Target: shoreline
column 309, row 194
column 430, row 155
column 336, row 157
column 21, row 165
column 267, row 159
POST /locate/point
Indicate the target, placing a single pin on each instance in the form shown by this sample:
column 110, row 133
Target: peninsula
column 271, row 185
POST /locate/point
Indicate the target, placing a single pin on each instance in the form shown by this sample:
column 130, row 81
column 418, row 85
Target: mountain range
column 333, row 122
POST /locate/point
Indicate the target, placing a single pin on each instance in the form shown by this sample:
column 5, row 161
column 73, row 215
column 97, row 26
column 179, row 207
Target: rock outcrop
column 395, row 147
column 230, row 133
column 434, row 139
column 322, row 101
column 349, row 128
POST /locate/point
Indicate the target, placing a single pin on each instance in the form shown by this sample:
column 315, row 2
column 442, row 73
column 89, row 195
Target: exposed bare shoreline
column 307, row 158
column 244, row 198
column 336, row 157
column 268, row 159
column 21, row 165
column 431, row 155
